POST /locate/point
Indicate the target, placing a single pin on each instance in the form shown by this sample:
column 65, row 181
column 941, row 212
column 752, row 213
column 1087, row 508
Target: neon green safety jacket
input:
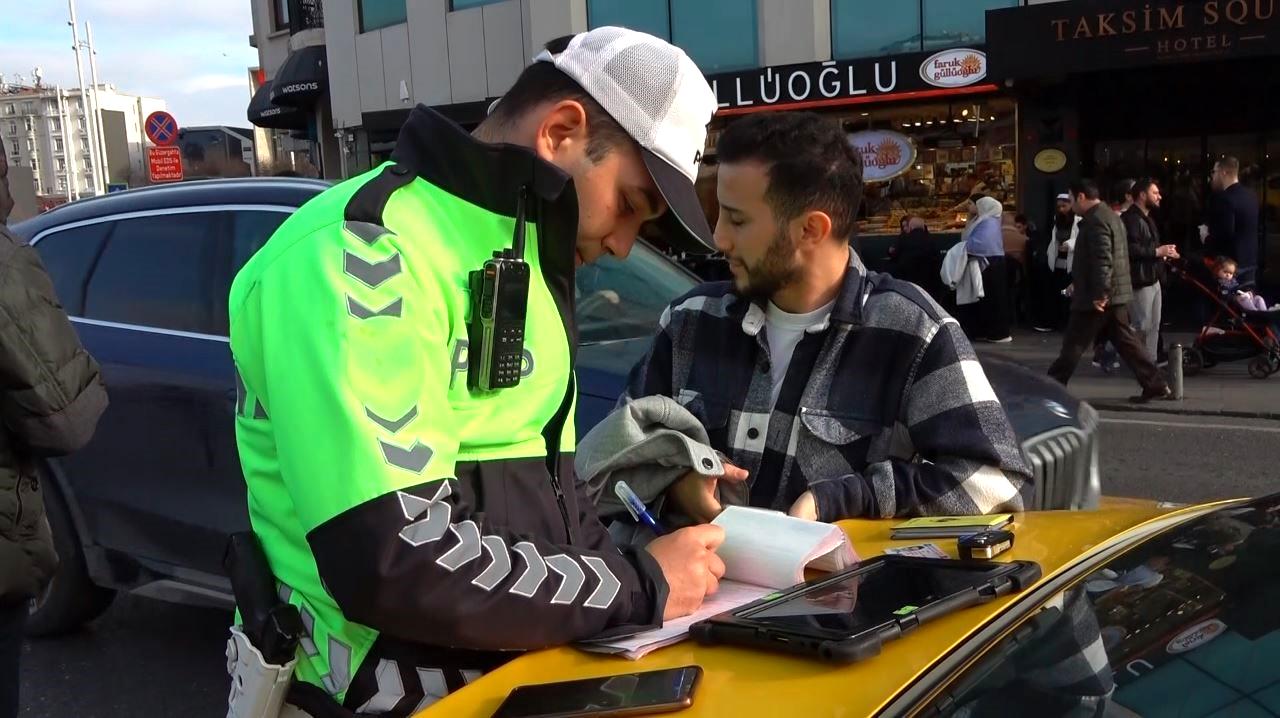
column 423, row 530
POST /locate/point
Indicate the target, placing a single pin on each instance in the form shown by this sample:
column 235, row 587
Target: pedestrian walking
column 1101, row 293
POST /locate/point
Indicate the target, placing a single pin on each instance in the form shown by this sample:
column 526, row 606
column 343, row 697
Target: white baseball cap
column 659, row 96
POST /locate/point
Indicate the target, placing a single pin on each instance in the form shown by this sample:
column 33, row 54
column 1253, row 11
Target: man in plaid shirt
column 834, row 391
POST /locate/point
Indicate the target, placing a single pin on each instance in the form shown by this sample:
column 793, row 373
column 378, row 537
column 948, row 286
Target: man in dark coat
column 51, row 395
column 1101, row 292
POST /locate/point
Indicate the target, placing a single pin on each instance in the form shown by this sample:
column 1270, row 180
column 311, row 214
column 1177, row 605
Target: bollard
column 1175, row 370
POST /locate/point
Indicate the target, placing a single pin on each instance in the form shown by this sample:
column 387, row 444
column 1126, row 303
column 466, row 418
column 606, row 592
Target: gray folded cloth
column 648, row 442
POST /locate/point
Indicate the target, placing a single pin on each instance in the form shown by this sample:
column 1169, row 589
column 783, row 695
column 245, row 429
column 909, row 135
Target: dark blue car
column 148, row 505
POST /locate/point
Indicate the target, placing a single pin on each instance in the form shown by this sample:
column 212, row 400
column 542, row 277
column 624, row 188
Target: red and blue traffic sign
column 161, row 128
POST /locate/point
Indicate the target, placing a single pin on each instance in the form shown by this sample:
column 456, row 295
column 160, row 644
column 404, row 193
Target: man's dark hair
column 1020, row 219
column 1229, row 164
column 1086, row 187
column 1142, row 185
column 543, row 82
column 1123, row 189
column 811, row 164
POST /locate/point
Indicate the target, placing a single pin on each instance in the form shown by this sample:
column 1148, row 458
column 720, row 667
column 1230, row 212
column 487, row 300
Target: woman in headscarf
column 988, row 319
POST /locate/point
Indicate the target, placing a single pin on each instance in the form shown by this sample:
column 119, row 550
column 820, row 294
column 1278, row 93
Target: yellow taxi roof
column 741, row 682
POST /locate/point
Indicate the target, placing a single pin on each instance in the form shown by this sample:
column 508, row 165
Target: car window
column 68, row 256
column 250, row 230
column 1184, row 625
column 623, row 298
column 158, row 271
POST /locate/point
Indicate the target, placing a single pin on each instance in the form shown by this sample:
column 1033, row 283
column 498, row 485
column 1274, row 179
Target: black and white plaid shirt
column 884, row 410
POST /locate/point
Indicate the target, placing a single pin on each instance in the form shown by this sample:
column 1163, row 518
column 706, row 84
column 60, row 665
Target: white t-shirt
column 784, row 331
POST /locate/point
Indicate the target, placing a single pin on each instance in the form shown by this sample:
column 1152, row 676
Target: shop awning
column 263, row 113
column 302, row 79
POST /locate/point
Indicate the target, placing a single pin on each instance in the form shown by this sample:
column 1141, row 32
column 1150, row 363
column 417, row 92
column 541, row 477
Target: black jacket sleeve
column 424, row 565
column 1097, row 237
column 51, row 391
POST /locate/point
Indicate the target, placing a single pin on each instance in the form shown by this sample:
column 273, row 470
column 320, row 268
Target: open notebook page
column 770, row 549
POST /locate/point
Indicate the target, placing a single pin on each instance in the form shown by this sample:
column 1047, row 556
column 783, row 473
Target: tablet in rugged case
column 847, row 616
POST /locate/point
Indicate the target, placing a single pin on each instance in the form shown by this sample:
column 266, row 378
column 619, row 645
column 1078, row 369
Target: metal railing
column 305, row 15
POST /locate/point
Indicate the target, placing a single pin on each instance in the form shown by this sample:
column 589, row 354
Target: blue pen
column 636, row 507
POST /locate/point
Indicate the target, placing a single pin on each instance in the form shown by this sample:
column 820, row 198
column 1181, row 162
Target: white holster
column 258, row 688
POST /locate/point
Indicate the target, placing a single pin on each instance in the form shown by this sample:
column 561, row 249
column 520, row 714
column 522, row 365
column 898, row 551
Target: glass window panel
column 953, row 23
column 376, row 14
column 720, row 35
column 866, row 29
column 651, row 16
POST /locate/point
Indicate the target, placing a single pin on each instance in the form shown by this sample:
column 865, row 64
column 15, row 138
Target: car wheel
column 71, row 599
column 1259, row 367
column 1192, row 361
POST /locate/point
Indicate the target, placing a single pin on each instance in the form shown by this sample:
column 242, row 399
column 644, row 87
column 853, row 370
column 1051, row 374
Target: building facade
column 944, row 98
column 45, row 128
column 1115, row 89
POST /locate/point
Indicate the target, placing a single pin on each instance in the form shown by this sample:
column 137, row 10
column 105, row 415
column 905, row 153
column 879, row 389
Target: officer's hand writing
column 690, row 564
column 695, row 495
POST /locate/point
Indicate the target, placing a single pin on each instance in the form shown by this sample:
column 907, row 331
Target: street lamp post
column 84, row 102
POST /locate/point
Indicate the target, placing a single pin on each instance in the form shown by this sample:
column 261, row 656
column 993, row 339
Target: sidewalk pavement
column 1223, row 390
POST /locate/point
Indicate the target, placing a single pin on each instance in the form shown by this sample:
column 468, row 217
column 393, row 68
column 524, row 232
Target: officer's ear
column 561, row 136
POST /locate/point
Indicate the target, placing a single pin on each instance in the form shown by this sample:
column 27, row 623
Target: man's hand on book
column 695, row 495
column 690, row 565
column 805, row 507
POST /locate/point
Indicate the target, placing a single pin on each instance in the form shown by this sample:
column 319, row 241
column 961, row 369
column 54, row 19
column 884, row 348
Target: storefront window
column 375, row 14
column 651, row 16
column 720, row 35
column 961, row 149
column 953, row 23
column 864, row 29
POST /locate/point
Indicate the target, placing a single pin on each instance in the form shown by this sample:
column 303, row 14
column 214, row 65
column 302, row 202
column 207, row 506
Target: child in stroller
column 1240, row 326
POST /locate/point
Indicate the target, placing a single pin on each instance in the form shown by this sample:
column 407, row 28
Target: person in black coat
column 1233, row 220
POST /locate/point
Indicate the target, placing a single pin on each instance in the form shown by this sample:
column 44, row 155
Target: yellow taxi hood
column 741, row 682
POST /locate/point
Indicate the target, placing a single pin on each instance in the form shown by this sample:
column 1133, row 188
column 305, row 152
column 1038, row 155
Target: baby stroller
column 1233, row 333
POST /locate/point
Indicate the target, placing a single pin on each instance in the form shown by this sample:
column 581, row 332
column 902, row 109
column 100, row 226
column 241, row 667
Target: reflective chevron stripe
column 392, row 426
column 499, row 566
column 609, row 585
column 535, row 571
column 339, row 676
column 432, row 527
column 360, row 311
column 390, row 689
column 307, row 641
column 370, row 274
column 413, row 459
column 571, row 575
column 468, row 548
column 433, row 687
column 367, row 232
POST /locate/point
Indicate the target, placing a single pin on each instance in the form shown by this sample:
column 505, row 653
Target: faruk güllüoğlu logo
column 954, row 68
column 885, row 154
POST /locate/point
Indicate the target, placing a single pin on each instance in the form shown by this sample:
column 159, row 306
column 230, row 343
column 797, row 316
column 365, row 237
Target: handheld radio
column 499, row 301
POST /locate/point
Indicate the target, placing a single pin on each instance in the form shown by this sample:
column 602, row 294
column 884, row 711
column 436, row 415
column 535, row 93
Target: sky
column 194, row 54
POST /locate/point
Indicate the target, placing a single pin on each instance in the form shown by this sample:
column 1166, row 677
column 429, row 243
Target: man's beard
column 774, row 272
column 1063, row 221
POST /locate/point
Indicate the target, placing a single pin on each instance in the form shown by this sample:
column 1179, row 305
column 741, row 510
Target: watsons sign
column 835, row 80
column 954, row 68
column 885, row 154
